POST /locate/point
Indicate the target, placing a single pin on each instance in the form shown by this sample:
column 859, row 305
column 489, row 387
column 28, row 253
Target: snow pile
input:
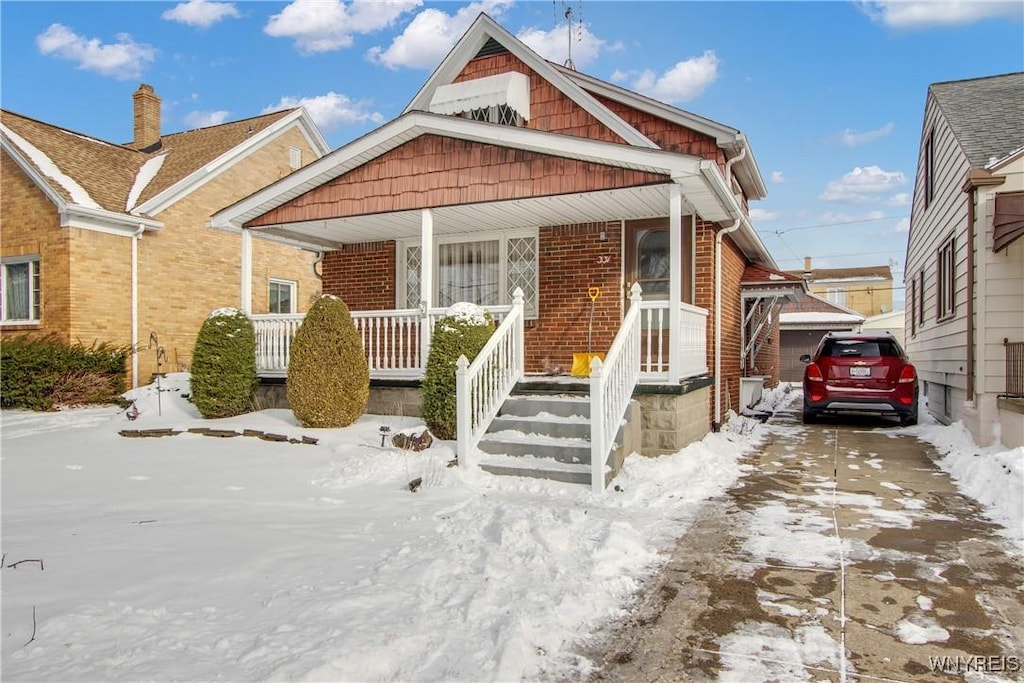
column 468, row 313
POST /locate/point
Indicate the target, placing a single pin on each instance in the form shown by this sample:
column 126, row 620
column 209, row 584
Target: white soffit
column 512, row 89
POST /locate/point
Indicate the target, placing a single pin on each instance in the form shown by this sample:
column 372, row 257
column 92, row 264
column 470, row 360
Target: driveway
column 843, row 552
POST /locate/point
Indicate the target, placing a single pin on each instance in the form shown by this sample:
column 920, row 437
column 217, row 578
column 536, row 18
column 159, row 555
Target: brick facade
column 185, row 270
column 362, row 275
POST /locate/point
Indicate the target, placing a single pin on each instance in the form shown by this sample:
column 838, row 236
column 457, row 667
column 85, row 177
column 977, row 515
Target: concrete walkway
column 844, row 554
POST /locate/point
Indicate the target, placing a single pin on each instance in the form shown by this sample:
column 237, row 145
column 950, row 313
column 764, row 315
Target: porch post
column 675, row 282
column 426, row 281
column 246, row 289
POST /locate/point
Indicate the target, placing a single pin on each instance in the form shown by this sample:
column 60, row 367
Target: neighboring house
column 508, row 172
column 803, row 323
column 887, row 322
column 866, row 290
column 965, row 257
column 104, row 242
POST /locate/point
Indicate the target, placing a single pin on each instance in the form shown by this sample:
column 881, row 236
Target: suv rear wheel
column 810, row 417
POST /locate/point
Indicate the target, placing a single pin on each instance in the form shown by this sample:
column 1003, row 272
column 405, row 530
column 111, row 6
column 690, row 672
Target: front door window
column 652, row 262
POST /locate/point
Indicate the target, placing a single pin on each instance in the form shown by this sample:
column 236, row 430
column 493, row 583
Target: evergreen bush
column 224, row 365
column 328, row 379
column 464, row 331
column 43, row 373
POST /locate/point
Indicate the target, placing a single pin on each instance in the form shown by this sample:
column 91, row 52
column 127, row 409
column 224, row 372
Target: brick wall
column 29, row 225
column 101, row 281
column 362, row 275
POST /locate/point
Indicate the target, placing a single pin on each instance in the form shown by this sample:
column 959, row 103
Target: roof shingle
column 985, row 114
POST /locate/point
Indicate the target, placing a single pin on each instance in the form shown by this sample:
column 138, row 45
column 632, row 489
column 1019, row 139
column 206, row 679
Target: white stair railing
column 611, row 389
column 482, row 386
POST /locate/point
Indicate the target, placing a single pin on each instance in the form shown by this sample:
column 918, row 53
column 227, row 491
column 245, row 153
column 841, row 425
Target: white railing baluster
column 483, row 385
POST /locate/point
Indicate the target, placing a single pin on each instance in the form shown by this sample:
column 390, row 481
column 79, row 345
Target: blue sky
column 830, row 94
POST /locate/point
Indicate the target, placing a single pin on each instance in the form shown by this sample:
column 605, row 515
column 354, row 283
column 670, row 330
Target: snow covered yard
column 191, row 557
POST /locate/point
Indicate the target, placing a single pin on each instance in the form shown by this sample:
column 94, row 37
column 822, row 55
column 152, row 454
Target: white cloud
column 431, row 35
column 763, row 215
column 553, row 45
column 863, row 184
column 777, row 177
column 851, row 138
column 326, row 25
column 124, row 59
column 902, row 226
column 925, row 14
column 331, row 110
column 201, row 119
column 899, row 199
column 684, row 81
column 838, row 217
column 201, row 13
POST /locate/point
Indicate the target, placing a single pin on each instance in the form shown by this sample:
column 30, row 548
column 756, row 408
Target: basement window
column 19, row 290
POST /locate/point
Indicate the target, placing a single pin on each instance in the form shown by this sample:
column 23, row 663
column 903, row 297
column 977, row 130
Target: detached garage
column 802, row 325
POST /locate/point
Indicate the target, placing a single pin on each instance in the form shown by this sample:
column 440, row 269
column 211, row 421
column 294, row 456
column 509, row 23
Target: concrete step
column 525, row 405
column 518, row 444
column 536, row 468
column 545, row 423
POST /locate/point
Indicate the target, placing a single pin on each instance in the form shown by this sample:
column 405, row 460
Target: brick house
column 509, row 172
column 109, row 242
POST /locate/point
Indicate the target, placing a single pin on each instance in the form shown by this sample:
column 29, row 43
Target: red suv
column 861, row 372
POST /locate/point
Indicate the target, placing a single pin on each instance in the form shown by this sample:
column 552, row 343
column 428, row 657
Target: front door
column 647, row 258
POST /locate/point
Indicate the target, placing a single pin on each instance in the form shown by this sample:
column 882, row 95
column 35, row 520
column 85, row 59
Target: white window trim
column 295, row 158
column 32, row 259
column 294, row 288
column 502, row 236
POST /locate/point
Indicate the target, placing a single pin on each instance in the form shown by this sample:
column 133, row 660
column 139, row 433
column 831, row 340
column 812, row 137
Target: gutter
column 136, row 236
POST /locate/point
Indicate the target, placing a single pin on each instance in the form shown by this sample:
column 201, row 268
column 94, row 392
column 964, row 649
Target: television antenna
column 574, row 28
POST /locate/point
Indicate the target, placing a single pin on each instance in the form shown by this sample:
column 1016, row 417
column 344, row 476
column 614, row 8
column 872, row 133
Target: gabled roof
column 986, row 115
column 77, row 170
column 757, row 274
column 815, row 303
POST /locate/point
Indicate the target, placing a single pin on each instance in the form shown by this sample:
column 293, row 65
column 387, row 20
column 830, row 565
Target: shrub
column 328, row 380
column 42, row 373
column 464, row 331
column 224, row 365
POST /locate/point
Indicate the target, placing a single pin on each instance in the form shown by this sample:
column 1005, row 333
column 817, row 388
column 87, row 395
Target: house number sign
column 604, row 260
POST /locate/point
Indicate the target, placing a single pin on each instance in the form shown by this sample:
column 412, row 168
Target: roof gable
column 818, row 275
column 986, row 115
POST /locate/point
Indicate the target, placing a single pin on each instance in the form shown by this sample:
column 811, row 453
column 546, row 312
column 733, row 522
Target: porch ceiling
column 626, row 203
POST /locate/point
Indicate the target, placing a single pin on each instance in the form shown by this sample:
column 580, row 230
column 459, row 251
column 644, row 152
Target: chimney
column 807, row 268
column 147, row 117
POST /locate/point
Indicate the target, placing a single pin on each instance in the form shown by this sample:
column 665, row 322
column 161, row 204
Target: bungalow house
column 105, row 242
column 965, row 257
column 522, row 185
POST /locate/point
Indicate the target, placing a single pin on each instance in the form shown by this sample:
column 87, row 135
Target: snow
column 49, row 169
column 468, row 313
column 818, row 317
column 190, row 557
column 143, row 178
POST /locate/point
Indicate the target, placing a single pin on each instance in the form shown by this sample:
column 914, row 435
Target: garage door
column 795, row 343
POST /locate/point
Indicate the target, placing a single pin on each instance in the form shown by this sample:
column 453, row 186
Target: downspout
column 136, row 236
column 717, row 423
column 971, row 199
column 318, row 274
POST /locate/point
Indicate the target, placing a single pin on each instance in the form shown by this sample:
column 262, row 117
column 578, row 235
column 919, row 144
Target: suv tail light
column 908, row 374
column 814, row 373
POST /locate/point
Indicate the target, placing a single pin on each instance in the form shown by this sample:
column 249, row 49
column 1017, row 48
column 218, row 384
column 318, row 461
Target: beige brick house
column 508, row 172
column 105, row 242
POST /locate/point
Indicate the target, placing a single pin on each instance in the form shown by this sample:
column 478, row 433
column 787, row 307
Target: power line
column 829, row 225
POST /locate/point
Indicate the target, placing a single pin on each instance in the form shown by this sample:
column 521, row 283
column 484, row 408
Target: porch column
column 246, row 288
column 426, row 280
column 675, row 282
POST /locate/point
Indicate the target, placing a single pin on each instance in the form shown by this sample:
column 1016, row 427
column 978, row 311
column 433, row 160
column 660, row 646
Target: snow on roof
column 145, row 175
column 49, row 169
column 819, row 317
column 863, row 278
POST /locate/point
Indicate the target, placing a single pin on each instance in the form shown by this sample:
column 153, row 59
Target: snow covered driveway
column 844, row 552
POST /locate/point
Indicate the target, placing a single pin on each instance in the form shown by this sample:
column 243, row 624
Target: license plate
column 860, row 372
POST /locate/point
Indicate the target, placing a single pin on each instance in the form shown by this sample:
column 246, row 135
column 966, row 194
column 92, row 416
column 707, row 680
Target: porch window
column 485, row 271
column 282, row 296
column 19, row 289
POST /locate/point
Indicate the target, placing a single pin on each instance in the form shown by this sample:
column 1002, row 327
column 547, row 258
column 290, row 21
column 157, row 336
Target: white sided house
column 965, row 257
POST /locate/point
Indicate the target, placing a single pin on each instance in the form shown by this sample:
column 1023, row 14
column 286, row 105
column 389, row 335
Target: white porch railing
column 482, row 386
column 396, row 342
column 611, row 388
column 655, row 342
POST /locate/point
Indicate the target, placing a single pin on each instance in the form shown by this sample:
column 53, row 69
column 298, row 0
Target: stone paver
column 916, row 586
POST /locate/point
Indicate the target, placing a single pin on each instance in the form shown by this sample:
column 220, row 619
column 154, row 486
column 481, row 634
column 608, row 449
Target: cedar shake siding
column 434, row 171
column 550, row 109
column 667, row 135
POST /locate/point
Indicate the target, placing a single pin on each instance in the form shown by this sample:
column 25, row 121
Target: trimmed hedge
column 43, row 373
column 464, row 331
column 224, row 365
column 328, row 379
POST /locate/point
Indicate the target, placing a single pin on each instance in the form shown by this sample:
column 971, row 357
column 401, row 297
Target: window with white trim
column 483, row 268
column 836, row 295
column 946, row 281
column 282, row 296
column 19, row 290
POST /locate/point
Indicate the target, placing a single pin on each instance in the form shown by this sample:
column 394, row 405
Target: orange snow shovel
column 581, row 361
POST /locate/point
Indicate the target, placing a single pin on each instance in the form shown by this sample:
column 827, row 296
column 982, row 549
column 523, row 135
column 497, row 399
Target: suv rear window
column 841, row 348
